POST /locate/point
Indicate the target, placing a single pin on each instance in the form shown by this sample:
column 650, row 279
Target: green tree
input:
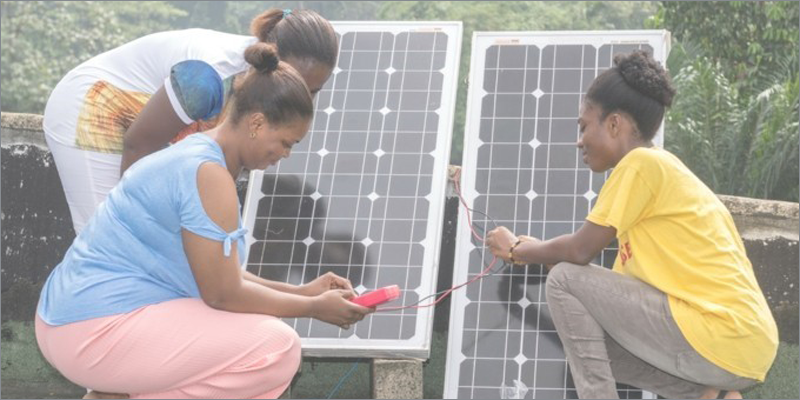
column 40, row 41
column 514, row 16
column 748, row 39
column 746, row 148
column 244, row 11
column 235, row 16
column 734, row 121
column 215, row 15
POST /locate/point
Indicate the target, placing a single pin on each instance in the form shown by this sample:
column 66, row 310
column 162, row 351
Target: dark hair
column 636, row 85
column 271, row 87
column 303, row 34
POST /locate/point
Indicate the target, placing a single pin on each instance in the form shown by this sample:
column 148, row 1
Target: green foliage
column 746, row 148
column 208, row 14
column 235, row 16
column 514, row 16
column 735, row 119
column 773, row 164
column 748, row 39
column 41, row 41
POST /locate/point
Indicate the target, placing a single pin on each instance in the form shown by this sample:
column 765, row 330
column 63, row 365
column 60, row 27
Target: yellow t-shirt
column 677, row 236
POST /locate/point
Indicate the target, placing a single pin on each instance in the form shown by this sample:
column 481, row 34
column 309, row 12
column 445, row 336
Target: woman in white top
column 138, row 98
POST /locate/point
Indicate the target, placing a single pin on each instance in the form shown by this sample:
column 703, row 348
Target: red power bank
column 378, row 296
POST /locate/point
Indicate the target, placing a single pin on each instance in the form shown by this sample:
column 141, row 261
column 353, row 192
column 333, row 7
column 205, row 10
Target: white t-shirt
column 93, row 105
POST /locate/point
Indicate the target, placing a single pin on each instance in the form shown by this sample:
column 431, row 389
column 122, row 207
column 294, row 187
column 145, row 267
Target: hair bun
column 263, row 25
column 645, row 75
column 262, row 56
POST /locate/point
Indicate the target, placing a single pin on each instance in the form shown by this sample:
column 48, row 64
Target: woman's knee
column 294, row 350
column 559, row 275
column 288, row 353
column 283, row 341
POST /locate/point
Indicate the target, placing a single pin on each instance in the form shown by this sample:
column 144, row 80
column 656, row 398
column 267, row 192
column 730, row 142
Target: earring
column 252, row 134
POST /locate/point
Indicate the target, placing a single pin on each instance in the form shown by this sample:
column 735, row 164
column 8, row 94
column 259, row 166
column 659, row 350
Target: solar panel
column 363, row 194
column 521, row 167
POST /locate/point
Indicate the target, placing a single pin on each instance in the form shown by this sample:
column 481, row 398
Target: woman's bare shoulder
column 217, row 192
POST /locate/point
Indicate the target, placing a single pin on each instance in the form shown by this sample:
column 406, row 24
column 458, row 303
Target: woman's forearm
column 279, row 286
column 548, row 252
column 252, row 297
column 579, row 248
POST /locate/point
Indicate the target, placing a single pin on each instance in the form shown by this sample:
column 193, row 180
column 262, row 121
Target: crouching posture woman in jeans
column 681, row 314
column 150, row 301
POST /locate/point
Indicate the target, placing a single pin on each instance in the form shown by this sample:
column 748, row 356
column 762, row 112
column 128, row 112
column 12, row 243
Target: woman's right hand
column 335, row 307
column 499, row 241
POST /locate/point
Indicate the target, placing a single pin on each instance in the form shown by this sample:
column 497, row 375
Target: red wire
column 466, row 208
column 476, row 277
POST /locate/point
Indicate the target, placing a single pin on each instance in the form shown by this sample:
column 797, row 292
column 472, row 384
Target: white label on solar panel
column 363, row 194
column 521, row 167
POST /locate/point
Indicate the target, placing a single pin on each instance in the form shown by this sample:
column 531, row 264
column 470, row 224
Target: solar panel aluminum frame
column 419, row 345
column 659, row 40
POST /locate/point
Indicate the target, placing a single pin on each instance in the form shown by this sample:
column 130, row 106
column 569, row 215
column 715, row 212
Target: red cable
column 476, row 277
column 466, row 208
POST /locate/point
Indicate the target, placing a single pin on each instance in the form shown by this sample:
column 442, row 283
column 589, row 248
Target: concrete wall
column 36, row 226
column 37, row 230
column 770, row 230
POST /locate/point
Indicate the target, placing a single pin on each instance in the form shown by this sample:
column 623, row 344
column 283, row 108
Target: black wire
column 484, row 214
column 474, row 225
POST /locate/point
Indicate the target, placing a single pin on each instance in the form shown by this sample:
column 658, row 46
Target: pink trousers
column 177, row 349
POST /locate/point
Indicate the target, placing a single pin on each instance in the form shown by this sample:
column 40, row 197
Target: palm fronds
column 738, row 146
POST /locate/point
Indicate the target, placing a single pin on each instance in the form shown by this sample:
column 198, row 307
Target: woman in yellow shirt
column 681, row 314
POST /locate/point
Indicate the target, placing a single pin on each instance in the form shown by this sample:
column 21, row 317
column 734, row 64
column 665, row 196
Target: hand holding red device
column 378, row 296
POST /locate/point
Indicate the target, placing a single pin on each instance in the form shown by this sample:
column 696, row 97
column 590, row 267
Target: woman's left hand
column 324, row 283
column 499, row 241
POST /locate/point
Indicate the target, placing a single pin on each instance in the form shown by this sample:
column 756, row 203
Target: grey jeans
column 616, row 328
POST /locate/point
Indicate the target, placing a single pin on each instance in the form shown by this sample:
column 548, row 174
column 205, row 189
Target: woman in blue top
column 150, row 300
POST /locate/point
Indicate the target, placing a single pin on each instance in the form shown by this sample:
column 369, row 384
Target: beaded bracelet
column 511, row 252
